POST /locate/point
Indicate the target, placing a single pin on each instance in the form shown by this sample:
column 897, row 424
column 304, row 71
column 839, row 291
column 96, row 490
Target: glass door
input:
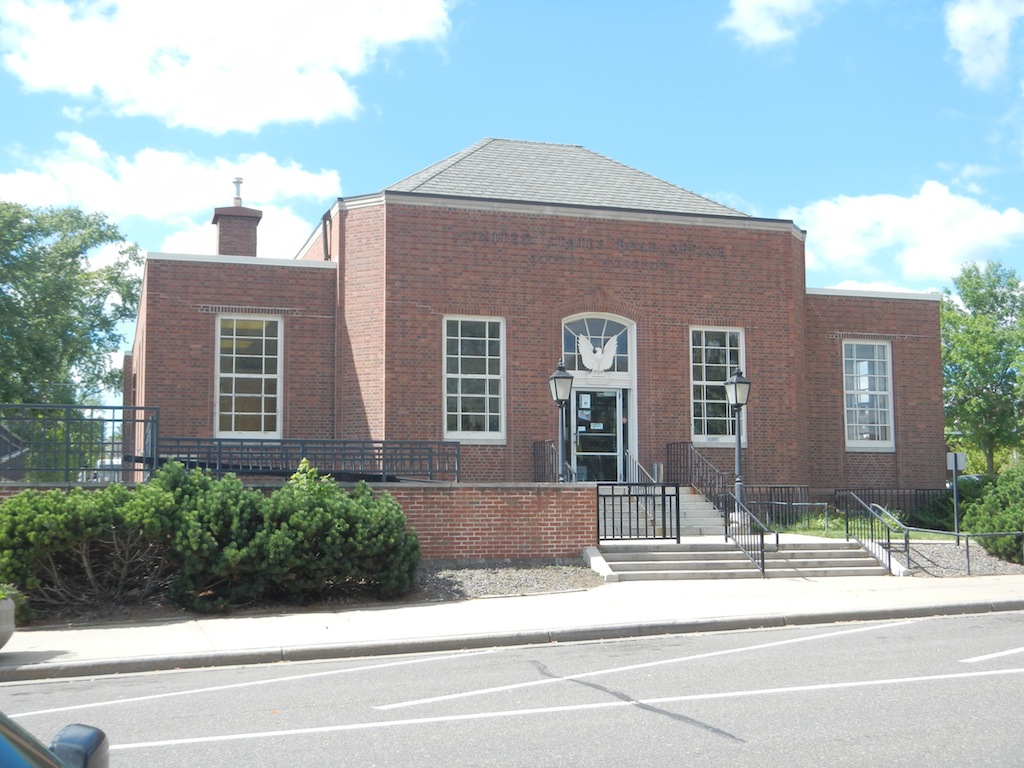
column 597, row 443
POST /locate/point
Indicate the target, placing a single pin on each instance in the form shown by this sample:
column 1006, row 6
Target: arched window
column 595, row 344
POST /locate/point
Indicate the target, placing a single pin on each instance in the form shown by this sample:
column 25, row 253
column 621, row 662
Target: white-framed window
column 248, row 376
column 474, row 378
column 867, row 392
column 714, row 354
column 595, row 344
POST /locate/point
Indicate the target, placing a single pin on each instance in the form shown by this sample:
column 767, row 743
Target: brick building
column 436, row 309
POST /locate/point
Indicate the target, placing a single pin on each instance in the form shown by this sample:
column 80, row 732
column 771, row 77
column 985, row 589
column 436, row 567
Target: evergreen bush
column 208, row 543
column 319, row 539
column 1000, row 508
column 85, row 547
column 215, row 523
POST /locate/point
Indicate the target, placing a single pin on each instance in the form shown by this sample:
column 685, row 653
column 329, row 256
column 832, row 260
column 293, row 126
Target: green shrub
column 84, row 547
column 938, row 515
column 209, row 543
column 1000, row 508
column 318, row 538
column 386, row 551
column 214, row 525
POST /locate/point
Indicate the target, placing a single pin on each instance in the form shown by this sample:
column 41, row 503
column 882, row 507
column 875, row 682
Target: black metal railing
column 1016, row 536
column 371, row 460
column 783, row 506
column 875, row 528
column 545, row 464
column 77, row 443
column 638, row 511
column 888, row 538
column 687, row 466
column 747, row 532
column 923, row 507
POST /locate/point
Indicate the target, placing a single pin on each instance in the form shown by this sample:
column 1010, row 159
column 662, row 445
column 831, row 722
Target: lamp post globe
column 737, row 391
column 561, row 390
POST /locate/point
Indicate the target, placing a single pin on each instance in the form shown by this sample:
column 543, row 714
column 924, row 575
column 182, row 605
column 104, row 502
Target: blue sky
column 891, row 130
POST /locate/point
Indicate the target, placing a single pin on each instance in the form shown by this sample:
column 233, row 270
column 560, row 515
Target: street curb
column 27, row 672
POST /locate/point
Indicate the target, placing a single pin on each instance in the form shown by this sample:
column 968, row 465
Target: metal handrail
column 967, row 539
column 701, row 474
column 873, row 526
column 788, row 513
column 747, row 532
column 635, row 472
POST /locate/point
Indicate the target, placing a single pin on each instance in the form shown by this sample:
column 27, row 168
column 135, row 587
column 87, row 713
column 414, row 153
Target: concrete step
column 734, row 573
column 636, row 566
column 719, row 559
column 816, row 573
column 626, row 558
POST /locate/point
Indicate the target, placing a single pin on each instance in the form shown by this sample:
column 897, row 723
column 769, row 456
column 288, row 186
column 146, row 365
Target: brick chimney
column 236, row 227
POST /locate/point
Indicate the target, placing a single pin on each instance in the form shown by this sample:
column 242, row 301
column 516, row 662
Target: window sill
column 718, row 441
column 475, row 440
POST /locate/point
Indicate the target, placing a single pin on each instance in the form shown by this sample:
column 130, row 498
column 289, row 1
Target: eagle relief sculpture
column 594, row 358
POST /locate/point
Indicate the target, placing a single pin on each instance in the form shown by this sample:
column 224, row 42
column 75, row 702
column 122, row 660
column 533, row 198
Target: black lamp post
column 737, row 390
column 561, row 389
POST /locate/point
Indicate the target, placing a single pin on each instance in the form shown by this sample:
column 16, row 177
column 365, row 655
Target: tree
column 60, row 315
column 982, row 335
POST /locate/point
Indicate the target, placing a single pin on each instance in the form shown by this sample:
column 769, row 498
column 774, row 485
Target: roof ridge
column 553, row 173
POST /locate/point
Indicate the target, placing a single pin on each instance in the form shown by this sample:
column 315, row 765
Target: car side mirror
column 81, row 746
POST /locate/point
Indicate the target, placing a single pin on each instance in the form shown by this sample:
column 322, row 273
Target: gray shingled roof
column 526, row 171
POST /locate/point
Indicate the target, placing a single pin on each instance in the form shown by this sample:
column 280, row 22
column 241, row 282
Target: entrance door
column 597, row 447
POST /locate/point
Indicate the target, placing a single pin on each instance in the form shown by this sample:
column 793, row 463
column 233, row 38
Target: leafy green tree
column 982, row 336
column 60, row 315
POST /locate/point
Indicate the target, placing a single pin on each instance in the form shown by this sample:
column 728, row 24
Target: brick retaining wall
column 466, row 522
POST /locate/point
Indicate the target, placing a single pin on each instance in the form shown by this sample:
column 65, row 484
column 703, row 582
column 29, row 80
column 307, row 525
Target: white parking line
column 645, row 665
column 250, row 683
column 552, row 710
column 998, row 655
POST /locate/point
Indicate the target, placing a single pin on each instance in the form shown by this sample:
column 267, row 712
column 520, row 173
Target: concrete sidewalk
column 612, row 610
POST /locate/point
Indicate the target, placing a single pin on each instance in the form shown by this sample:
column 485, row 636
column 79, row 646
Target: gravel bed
column 945, row 558
column 450, row 583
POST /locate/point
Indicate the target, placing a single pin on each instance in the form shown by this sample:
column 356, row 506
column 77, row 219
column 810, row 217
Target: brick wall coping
column 564, row 209
column 874, row 294
column 246, row 260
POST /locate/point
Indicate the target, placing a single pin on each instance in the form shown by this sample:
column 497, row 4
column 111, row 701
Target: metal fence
column 924, row 507
column 638, row 511
column 77, row 443
column 371, row 460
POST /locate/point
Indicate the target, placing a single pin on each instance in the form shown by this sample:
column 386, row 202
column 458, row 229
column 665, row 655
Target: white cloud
column 156, row 184
column 767, row 22
column 979, row 30
column 925, row 237
column 173, row 189
column 214, row 66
